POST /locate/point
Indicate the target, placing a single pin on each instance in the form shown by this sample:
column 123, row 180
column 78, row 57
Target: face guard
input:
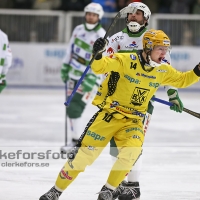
column 135, row 26
column 94, row 8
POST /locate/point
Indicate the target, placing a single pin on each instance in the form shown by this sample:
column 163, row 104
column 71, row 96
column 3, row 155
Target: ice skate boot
column 52, row 194
column 108, row 194
column 131, row 190
column 67, row 148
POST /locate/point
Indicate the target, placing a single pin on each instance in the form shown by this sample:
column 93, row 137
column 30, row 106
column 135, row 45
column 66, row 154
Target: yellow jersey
column 134, row 82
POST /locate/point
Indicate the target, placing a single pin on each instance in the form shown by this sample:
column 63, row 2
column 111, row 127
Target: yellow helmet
column 153, row 38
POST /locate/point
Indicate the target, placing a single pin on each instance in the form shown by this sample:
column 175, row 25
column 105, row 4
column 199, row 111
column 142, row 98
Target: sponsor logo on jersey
column 161, row 70
column 135, row 112
column 74, row 64
column 98, row 93
column 95, row 136
column 117, row 39
column 91, row 148
column 145, row 76
column 110, row 50
column 134, row 129
column 135, row 121
column 127, row 108
column 79, row 43
column 154, row 85
column 140, row 58
column 114, row 104
column 87, row 56
column 80, row 59
column 133, row 45
column 118, row 47
column 136, row 137
column 139, row 96
column 133, row 57
column 83, row 35
column 64, row 175
column 132, row 80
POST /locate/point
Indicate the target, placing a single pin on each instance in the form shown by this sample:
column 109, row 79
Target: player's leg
column 95, row 137
column 134, row 175
column 73, row 116
column 129, row 142
column 132, row 178
column 74, row 113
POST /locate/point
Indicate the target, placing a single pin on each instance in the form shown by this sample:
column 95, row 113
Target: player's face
column 91, row 18
column 137, row 17
column 158, row 53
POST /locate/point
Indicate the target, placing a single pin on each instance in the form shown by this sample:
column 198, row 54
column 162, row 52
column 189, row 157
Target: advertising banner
column 39, row 64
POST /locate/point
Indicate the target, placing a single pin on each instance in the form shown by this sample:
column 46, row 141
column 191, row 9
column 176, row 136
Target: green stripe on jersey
column 83, row 45
column 127, row 51
column 4, row 47
column 2, row 62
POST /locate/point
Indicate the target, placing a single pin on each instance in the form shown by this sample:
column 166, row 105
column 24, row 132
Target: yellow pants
column 128, row 135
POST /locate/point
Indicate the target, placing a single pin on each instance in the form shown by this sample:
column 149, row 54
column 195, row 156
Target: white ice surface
column 33, row 121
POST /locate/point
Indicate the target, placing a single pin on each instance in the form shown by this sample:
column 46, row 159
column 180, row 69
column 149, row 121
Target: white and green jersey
column 5, row 55
column 79, row 49
column 125, row 41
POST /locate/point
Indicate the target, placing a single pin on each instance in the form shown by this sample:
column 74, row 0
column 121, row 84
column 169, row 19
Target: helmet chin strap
column 150, row 61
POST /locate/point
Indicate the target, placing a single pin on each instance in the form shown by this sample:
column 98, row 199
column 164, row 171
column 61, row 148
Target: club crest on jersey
column 133, row 57
column 139, row 96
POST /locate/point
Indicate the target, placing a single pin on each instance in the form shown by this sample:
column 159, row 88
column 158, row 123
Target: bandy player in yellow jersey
column 122, row 115
column 130, row 40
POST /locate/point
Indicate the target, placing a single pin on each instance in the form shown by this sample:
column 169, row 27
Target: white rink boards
column 33, row 121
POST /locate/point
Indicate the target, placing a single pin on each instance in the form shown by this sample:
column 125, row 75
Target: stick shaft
column 170, row 104
column 91, row 61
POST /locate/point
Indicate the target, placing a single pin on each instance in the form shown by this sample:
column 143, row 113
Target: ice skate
column 130, row 191
column 108, row 194
column 52, row 194
column 67, row 148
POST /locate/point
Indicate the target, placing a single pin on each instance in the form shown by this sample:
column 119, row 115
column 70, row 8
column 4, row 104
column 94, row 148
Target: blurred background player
column 77, row 58
column 5, row 59
column 130, row 40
